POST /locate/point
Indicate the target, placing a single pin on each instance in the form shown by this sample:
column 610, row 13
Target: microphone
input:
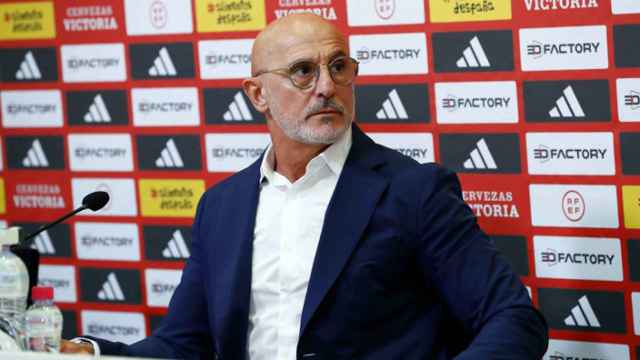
column 94, row 202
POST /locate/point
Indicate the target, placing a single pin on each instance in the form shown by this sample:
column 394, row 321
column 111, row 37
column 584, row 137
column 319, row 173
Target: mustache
column 323, row 105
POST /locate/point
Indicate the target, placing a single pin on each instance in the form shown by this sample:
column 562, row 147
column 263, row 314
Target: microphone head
column 96, row 200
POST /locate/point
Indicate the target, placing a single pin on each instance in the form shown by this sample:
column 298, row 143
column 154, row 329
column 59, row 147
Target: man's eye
column 338, row 66
column 304, row 69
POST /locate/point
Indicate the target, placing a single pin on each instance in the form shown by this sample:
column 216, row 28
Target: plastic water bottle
column 43, row 321
column 14, row 284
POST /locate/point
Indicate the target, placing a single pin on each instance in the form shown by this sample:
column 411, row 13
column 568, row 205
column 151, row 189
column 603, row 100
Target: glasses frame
column 287, row 72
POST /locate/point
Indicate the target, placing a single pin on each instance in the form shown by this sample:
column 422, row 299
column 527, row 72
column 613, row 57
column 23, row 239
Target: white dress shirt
column 288, row 225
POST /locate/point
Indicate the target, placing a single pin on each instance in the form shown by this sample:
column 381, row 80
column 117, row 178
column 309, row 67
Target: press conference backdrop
column 535, row 103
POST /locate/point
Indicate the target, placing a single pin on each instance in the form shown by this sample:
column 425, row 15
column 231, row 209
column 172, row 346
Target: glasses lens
column 343, row 70
column 303, row 73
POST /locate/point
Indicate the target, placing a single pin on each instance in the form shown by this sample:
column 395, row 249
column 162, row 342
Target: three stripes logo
column 28, row 68
column 567, row 105
column 176, row 247
column 111, row 289
column 480, row 157
column 560, row 101
column 36, row 156
column 97, row 111
column 400, row 103
column 473, row 56
column 163, row 65
column 238, row 109
column 170, row 156
column 42, row 242
column 582, row 315
column 392, row 108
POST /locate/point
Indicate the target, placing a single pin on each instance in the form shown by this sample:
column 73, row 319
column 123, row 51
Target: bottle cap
column 42, row 293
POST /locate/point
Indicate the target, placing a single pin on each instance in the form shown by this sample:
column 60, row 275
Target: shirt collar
column 334, row 156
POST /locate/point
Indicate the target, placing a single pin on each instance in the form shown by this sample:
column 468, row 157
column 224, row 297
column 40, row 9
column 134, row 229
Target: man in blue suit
column 331, row 246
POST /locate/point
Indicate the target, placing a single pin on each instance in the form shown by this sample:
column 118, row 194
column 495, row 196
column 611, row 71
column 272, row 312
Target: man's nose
column 325, row 85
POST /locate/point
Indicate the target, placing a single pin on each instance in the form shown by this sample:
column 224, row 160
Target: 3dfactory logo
column 552, row 257
column 539, row 49
column 545, row 153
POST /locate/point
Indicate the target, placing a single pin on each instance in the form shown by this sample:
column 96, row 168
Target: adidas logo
column 111, row 289
column 567, row 105
column 473, row 56
column 582, row 315
column 162, row 65
column 238, row 109
column 43, row 244
column 480, row 157
column 35, row 156
column 97, row 111
column 176, row 247
column 170, row 157
column 392, row 108
column 28, row 68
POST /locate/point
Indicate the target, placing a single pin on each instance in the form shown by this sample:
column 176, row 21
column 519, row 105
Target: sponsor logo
column 620, row 7
column 384, row 12
column 180, row 152
column 631, row 206
column 106, row 285
column 165, row 106
column 93, row 63
column 234, row 152
column 397, row 104
column 580, row 350
column 160, row 285
column 229, row 15
column 628, row 152
column 322, row 8
column 169, row 197
column 583, row 310
column 225, row 59
column 155, row 17
column 28, row 152
column 570, row 153
column 390, row 54
column 126, row 327
column 229, row 106
column 158, row 61
column 628, row 99
column 491, row 204
column 34, row 64
column 626, row 54
column 635, row 303
column 61, row 278
column 35, row 108
column 167, row 243
column 473, row 152
column 444, row 11
column 473, row 51
column 102, row 241
column 514, row 248
column 546, row 5
column 53, row 242
column 82, row 19
column 100, row 152
column 476, row 102
column 102, row 107
column 579, row 258
column 120, row 205
column 560, row 101
column 564, row 48
column 576, row 206
column 33, row 20
column 418, row 146
column 34, row 196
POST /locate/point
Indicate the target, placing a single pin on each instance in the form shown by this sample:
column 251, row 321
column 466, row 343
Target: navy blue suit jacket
column 402, row 271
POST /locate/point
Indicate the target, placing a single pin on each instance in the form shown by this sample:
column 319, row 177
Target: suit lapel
column 232, row 263
column 348, row 213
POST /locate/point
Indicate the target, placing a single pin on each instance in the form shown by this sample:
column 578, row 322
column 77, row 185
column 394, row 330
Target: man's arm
column 474, row 280
column 184, row 332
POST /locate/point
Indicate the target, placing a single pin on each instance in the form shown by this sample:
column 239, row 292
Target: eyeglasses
column 304, row 74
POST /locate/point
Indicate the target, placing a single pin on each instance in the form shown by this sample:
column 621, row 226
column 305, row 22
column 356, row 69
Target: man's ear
column 253, row 89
